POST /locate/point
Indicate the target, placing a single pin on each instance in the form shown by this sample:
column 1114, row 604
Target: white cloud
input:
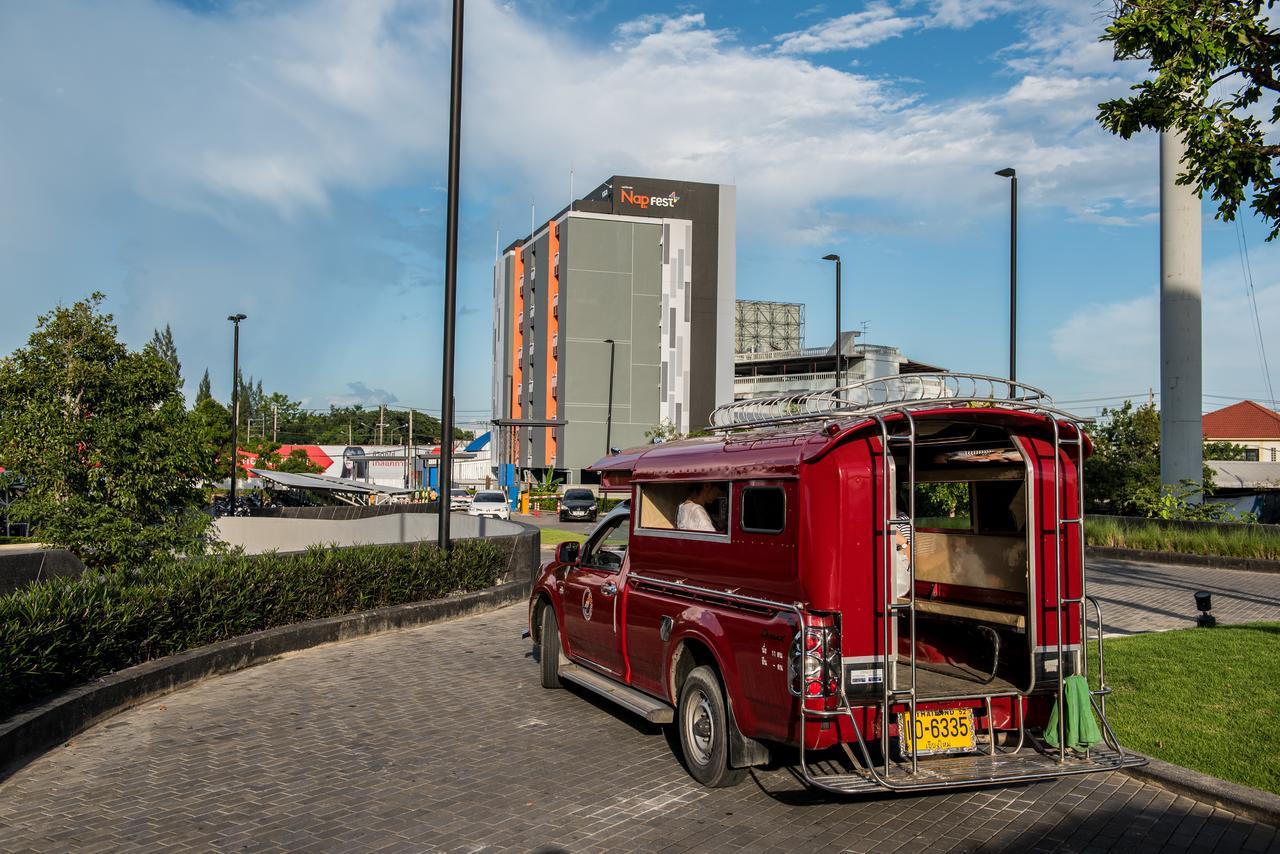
column 1119, row 342
column 361, row 395
column 962, row 14
column 181, row 161
column 873, row 25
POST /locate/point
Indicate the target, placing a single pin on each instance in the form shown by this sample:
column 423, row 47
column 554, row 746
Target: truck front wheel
column 549, row 648
column 704, row 725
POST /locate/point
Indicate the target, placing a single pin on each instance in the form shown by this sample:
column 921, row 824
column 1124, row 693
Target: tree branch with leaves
column 1214, row 66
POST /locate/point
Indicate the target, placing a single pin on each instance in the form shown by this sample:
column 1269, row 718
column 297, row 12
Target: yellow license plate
column 936, row 731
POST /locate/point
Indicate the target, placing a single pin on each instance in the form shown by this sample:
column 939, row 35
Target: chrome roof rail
column 866, row 398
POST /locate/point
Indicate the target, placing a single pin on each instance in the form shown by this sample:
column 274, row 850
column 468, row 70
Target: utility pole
column 348, row 431
column 608, row 421
column 275, row 423
column 235, row 405
column 450, row 276
column 410, row 470
column 1181, row 436
column 1012, row 175
column 382, row 412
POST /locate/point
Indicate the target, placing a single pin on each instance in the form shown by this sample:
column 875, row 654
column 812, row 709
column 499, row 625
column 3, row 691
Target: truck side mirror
column 567, row 552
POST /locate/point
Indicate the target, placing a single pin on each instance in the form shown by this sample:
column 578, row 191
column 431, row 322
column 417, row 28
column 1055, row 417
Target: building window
column 764, row 509
column 1251, row 455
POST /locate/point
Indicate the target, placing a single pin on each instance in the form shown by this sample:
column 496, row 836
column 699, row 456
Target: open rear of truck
column 959, row 601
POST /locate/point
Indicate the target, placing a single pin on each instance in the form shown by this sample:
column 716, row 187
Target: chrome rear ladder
column 1111, row 757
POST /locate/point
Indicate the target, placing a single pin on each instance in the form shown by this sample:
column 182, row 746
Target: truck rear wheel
column 549, row 651
column 703, row 723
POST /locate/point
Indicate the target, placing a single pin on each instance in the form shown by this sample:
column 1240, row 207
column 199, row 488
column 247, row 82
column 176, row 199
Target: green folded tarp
column 1081, row 728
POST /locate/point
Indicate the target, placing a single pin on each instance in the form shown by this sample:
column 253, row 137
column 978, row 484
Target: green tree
column 211, row 426
column 299, row 463
column 164, row 346
column 1213, row 79
column 100, row 436
column 1124, row 471
column 205, row 391
column 1223, row 451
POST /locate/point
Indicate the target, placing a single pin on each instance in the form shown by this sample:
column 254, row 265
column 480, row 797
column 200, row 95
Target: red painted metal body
column 825, row 564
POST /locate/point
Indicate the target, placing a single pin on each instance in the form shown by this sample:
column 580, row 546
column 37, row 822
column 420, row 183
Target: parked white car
column 459, row 499
column 490, row 503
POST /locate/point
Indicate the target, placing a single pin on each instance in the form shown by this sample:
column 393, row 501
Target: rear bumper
column 967, row 771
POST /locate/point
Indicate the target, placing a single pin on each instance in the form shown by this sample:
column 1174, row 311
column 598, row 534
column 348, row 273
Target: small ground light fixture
column 1204, row 603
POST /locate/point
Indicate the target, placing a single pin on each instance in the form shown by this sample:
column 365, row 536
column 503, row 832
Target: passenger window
column 698, row 506
column 946, row 506
column 1001, row 507
column 764, row 509
column 608, row 547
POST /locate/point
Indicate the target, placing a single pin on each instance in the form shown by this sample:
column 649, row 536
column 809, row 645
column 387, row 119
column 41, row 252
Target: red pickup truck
column 888, row 578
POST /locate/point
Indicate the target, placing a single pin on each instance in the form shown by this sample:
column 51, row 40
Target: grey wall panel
column 600, row 245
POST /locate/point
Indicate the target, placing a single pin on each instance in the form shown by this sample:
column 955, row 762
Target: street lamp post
column 450, row 278
column 608, row 419
column 235, row 404
column 839, row 360
column 1012, row 174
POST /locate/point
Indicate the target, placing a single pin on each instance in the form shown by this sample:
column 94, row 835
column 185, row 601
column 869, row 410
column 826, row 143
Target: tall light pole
column 608, row 419
column 1012, row 174
column 450, row 278
column 839, row 360
column 235, row 404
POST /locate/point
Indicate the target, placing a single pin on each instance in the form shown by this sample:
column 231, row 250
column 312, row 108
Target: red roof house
column 1245, row 423
column 1243, row 420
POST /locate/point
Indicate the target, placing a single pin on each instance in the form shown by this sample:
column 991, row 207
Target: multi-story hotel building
column 638, row 275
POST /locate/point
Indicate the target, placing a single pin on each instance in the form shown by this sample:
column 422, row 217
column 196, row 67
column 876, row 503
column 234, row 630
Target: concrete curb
column 29, row 734
column 1179, row 558
column 1242, row 800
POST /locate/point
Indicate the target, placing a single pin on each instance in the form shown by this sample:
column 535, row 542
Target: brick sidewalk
column 439, row 738
column 1144, row 597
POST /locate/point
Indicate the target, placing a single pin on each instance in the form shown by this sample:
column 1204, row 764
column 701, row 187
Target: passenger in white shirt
column 693, row 515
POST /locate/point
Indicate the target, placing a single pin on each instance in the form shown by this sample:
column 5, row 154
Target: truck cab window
column 608, row 546
column 764, row 509
column 696, row 507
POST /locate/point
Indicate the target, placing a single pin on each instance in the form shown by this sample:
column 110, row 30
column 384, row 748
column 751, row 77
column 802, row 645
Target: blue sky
column 287, row 160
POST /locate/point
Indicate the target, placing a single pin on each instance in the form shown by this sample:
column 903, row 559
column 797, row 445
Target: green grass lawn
column 1207, row 699
column 555, row 536
column 1249, row 541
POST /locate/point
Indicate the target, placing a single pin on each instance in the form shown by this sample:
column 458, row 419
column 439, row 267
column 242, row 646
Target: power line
column 1247, row 268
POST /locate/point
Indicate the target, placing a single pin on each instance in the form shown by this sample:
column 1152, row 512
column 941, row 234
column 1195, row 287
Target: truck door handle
column 608, row 589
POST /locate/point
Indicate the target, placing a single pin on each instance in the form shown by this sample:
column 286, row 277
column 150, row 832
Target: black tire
column 703, row 724
column 549, row 652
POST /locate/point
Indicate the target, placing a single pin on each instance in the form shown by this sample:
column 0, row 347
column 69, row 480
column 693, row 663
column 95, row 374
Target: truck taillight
column 815, row 663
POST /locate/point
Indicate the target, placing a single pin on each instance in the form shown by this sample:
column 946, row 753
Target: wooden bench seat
column 972, row 612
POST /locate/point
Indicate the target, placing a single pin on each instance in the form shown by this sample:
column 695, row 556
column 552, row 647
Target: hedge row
column 62, row 632
column 1246, row 541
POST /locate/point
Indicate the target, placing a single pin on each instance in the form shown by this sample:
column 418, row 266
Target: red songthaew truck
column 888, row 576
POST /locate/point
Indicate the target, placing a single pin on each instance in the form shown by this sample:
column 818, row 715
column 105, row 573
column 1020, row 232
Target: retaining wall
column 21, row 565
column 362, row 526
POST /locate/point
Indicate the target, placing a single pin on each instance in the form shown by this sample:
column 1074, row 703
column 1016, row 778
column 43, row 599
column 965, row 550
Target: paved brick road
column 1144, row 597
column 439, row 738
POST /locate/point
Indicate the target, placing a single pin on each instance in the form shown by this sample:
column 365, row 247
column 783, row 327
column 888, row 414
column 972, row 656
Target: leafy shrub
column 62, row 632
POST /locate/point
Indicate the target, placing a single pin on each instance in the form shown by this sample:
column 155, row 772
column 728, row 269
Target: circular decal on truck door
column 586, row 605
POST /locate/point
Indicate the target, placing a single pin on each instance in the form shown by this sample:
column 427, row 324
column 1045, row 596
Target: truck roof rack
column 866, row 398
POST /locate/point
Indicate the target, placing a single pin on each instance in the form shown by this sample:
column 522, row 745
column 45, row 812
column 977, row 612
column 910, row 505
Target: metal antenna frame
column 866, row 398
